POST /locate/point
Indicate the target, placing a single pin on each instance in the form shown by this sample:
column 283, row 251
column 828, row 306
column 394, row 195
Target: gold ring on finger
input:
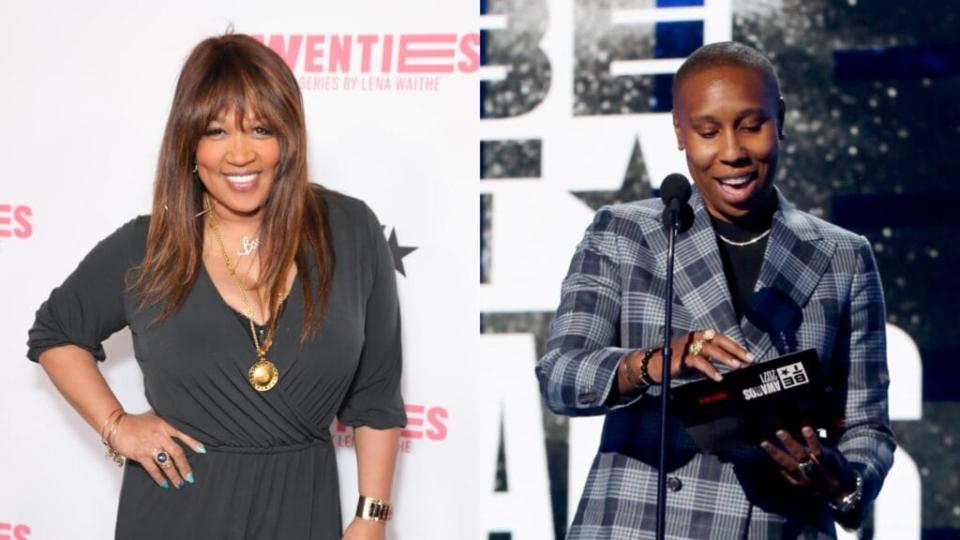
column 162, row 458
column 696, row 347
column 806, row 467
column 708, row 335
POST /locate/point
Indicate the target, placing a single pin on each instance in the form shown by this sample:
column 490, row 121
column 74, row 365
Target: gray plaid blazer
column 818, row 288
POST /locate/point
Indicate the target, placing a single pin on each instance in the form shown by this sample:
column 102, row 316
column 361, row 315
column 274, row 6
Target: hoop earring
column 194, row 171
column 206, row 207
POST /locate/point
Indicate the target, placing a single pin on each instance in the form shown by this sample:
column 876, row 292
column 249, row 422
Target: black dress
column 270, row 470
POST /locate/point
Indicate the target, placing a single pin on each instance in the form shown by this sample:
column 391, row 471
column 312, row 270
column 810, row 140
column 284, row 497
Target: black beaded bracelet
column 644, row 365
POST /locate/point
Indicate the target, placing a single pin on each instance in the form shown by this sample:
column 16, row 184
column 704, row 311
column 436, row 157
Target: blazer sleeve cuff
column 601, row 390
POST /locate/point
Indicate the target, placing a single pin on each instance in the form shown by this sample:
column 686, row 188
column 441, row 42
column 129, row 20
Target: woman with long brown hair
column 260, row 305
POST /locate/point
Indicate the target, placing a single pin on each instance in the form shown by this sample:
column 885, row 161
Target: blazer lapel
column 795, row 259
column 699, row 281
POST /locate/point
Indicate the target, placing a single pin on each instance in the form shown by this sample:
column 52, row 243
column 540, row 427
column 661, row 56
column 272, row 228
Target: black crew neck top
column 741, row 263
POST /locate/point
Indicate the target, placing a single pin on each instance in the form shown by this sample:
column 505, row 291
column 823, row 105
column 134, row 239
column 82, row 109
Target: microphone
column 677, row 218
column 675, row 191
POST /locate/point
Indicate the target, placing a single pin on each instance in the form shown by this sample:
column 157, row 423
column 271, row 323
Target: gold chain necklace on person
column 263, row 374
column 748, row 242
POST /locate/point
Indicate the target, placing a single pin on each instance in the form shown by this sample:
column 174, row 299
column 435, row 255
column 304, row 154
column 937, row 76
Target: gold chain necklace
column 748, row 242
column 263, row 374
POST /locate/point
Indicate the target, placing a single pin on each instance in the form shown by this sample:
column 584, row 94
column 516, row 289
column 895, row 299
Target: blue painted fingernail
column 190, row 477
column 165, row 485
column 201, row 448
column 179, row 484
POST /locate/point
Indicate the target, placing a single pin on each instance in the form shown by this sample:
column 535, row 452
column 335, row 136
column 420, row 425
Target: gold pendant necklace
column 263, row 374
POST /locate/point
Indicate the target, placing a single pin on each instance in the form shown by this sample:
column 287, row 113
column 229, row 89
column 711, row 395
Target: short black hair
column 725, row 54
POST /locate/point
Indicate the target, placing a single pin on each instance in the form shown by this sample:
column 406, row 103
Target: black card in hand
column 751, row 403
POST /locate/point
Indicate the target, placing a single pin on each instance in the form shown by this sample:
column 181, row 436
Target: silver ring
column 806, row 467
column 162, row 459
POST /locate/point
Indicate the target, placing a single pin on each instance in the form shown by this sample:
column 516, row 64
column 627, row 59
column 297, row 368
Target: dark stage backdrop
column 873, row 129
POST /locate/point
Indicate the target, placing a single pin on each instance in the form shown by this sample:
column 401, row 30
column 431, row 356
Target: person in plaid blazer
column 816, row 286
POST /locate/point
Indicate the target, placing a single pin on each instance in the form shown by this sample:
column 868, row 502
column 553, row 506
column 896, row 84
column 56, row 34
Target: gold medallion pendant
column 263, row 375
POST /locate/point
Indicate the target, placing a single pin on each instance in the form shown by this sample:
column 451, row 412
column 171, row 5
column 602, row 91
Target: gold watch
column 373, row 509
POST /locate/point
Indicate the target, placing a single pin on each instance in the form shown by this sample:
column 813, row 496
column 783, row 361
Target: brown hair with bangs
column 235, row 73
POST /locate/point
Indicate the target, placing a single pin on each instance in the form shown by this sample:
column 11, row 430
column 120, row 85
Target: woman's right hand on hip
column 145, row 437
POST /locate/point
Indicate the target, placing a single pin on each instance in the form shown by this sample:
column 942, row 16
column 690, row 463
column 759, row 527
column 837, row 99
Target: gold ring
column 806, row 467
column 696, row 347
column 162, row 459
column 708, row 335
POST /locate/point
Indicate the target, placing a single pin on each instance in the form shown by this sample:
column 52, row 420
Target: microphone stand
column 673, row 227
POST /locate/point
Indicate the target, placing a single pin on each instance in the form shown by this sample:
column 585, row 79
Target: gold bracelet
column 111, row 452
column 115, row 428
column 373, row 509
column 107, row 421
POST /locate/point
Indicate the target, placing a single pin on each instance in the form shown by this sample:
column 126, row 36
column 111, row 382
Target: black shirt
column 741, row 263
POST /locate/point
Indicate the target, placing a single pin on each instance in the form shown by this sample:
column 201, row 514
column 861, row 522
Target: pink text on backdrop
column 377, row 53
column 418, row 415
column 15, row 222
column 11, row 531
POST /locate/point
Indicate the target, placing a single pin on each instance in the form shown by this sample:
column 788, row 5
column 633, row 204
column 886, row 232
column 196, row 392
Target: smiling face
column 728, row 119
column 237, row 163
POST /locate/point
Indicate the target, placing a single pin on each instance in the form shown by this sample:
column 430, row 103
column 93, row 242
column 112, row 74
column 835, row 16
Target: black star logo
column 399, row 252
column 636, row 185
